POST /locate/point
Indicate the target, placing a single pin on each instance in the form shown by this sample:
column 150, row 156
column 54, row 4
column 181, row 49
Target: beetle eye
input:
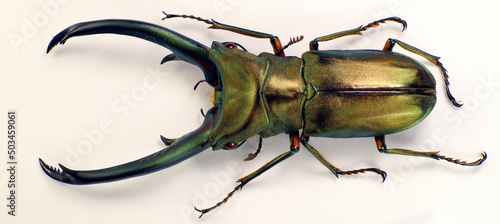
column 234, row 45
column 231, row 145
column 230, row 45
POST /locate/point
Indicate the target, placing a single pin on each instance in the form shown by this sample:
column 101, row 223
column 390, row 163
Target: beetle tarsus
column 204, row 211
column 313, row 45
column 304, row 139
column 168, row 16
column 447, row 84
column 380, row 141
column 378, row 22
column 375, row 170
column 462, row 162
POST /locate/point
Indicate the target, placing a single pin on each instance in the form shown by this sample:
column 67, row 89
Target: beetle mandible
column 326, row 93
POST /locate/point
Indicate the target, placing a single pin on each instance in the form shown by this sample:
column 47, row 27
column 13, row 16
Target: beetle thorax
column 257, row 95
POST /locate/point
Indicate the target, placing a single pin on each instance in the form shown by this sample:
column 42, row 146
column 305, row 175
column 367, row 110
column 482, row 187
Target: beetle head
column 241, row 110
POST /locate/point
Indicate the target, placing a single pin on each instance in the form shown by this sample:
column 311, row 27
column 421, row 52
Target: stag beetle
column 326, row 93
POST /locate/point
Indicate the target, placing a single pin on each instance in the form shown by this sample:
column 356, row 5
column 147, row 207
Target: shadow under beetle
column 326, row 93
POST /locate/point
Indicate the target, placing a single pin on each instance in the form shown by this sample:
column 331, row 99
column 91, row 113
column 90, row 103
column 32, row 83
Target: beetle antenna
column 292, row 41
column 252, row 156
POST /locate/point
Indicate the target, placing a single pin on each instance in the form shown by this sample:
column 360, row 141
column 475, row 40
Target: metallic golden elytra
column 325, row 93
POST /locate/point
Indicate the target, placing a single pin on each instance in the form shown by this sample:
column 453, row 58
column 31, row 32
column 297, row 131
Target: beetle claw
column 384, row 175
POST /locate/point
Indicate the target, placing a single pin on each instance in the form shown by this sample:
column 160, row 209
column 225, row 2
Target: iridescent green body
column 365, row 93
column 340, row 94
column 325, row 93
column 269, row 103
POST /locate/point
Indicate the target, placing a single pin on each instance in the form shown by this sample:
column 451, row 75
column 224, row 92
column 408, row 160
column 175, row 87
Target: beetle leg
column 313, row 45
column 294, row 148
column 433, row 59
column 275, row 41
column 380, row 140
column 336, row 171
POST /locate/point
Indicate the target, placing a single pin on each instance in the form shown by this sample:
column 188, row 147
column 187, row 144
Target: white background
column 63, row 95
